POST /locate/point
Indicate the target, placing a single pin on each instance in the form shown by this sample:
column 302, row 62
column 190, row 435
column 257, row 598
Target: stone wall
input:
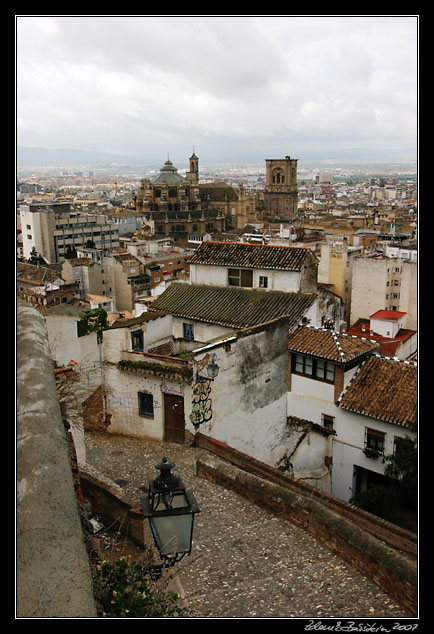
column 52, row 565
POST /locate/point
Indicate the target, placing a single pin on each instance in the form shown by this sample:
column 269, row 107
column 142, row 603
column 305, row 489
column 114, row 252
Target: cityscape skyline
column 235, row 88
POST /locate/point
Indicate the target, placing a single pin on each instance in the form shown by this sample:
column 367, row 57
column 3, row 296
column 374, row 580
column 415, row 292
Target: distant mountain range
column 44, row 156
column 65, row 156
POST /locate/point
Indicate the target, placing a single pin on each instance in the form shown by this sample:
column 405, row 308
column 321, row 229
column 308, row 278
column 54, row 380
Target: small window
column 374, row 440
column 146, row 405
column 137, row 340
column 401, row 444
column 188, row 331
column 263, row 281
column 327, row 421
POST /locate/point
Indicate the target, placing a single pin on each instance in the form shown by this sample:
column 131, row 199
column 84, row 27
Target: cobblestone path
column 245, row 562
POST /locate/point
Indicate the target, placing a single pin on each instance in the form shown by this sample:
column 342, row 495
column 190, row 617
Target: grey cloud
column 121, row 83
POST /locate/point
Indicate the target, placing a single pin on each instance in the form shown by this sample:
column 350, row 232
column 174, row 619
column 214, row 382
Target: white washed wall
column 123, row 402
column 248, row 397
column 65, row 344
column 348, row 448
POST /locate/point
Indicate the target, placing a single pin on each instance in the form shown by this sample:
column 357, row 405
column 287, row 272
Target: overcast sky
column 237, row 88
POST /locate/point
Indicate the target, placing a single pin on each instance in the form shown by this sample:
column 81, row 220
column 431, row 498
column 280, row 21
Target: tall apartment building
column 126, row 279
column 382, row 283
column 336, row 268
column 280, row 192
column 53, row 230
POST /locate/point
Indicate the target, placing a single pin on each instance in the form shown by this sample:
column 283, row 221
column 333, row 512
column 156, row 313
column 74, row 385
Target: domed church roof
column 169, row 175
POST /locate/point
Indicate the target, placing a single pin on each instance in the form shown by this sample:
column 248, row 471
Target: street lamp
column 170, row 508
column 212, row 369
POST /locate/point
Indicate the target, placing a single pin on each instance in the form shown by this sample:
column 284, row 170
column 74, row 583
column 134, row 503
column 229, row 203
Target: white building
column 265, row 269
column 53, row 230
column 153, row 393
column 369, row 401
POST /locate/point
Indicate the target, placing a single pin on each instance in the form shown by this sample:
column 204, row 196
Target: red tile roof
column 387, row 314
column 385, row 389
column 388, row 345
column 327, row 344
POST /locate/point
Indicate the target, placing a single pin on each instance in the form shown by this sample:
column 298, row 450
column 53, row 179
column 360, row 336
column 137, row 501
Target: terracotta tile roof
column 388, row 345
column 134, row 321
column 385, row 389
column 327, row 344
column 262, row 256
column 302, row 423
column 231, row 306
column 34, row 274
column 126, row 257
column 80, row 261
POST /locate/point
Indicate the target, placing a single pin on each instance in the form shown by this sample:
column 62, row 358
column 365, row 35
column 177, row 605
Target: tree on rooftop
column 94, row 320
column 399, row 489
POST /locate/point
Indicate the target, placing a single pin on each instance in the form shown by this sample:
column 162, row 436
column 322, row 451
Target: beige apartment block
column 336, row 268
column 381, row 283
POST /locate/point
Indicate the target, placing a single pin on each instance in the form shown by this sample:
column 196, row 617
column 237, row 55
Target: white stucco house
column 267, row 269
column 368, row 400
column 174, row 387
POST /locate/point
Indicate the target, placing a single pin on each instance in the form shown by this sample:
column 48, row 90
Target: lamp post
column 170, row 508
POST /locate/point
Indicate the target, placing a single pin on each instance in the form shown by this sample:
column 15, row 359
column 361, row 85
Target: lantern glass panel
column 173, row 533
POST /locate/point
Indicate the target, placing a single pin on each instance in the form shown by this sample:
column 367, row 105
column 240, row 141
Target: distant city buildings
column 354, row 226
column 275, row 315
column 55, row 232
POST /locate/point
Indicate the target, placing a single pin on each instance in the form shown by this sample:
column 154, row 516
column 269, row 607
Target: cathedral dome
column 169, row 175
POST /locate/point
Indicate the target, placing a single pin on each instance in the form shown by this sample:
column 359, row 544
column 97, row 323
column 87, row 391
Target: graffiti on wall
column 201, row 407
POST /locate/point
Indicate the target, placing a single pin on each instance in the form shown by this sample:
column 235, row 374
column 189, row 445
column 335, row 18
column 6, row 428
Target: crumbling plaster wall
column 247, row 399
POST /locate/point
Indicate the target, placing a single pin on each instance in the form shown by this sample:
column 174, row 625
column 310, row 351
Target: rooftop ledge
column 161, row 365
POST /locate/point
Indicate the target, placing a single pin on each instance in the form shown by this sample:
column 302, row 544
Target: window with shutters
column 240, row 277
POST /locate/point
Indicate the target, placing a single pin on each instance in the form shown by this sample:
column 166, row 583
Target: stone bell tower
column 193, row 174
column 280, row 193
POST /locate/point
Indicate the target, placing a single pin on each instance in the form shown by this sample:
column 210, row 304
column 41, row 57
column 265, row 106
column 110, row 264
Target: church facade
column 180, row 205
